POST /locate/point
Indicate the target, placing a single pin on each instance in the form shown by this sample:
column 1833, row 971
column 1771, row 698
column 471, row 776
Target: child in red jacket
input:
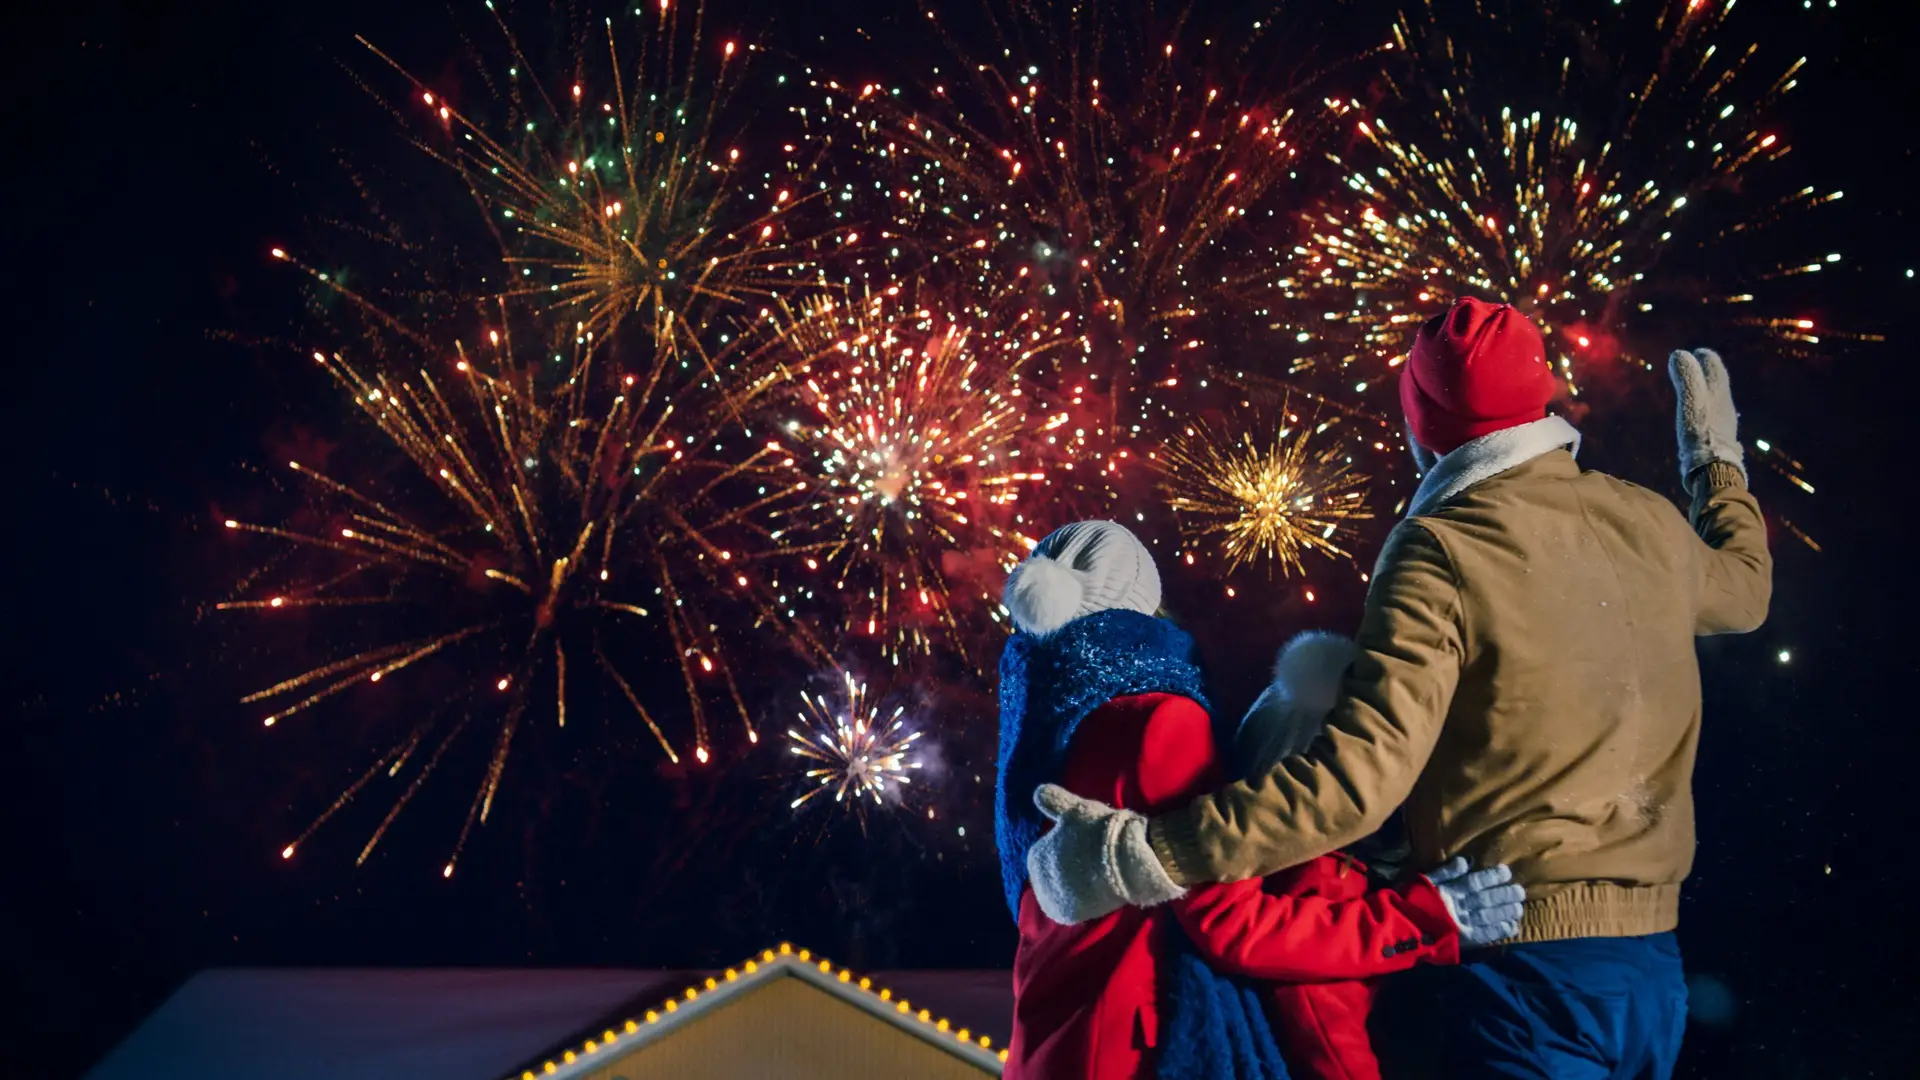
column 1318, row 932
column 1102, row 697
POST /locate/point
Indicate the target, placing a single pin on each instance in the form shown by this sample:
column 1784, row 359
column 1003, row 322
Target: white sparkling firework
column 853, row 749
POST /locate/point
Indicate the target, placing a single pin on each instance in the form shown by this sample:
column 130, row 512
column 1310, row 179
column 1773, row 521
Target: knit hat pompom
column 1080, row 569
column 1044, row 596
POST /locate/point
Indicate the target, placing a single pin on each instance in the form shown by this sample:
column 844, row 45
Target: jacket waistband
column 1600, row 909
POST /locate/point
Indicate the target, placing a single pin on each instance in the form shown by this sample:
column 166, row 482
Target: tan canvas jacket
column 1527, row 686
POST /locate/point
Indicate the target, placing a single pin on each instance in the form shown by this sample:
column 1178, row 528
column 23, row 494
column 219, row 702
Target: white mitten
column 1292, row 711
column 1706, row 423
column 1094, row 861
column 1485, row 904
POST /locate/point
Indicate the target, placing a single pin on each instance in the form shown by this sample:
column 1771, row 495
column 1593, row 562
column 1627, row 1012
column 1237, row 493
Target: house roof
column 715, row 991
column 478, row 1024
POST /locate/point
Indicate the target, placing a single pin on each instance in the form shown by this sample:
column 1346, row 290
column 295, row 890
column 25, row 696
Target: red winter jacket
column 1085, row 997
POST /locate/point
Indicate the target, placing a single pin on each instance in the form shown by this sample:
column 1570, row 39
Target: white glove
column 1094, row 861
column 1485, row 904
column 1706, row 424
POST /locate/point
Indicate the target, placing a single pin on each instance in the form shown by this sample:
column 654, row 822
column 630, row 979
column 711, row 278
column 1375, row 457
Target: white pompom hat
column 1080, row 569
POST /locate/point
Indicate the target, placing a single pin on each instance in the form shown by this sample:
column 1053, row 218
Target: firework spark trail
column 1264, row 500
column 1562, row 210
column 914, row 437
column 854, row 750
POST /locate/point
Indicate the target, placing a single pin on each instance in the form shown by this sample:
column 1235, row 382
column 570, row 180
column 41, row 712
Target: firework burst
column 1100, row 172
column 915, row 439
column 616, row 192
column 559, row 503
column 851, row 749
column 1264, row 500
column 1562, row 206
column 542, row 536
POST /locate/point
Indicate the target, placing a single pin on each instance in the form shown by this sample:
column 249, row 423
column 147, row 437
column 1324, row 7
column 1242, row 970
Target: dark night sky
column 154, row 152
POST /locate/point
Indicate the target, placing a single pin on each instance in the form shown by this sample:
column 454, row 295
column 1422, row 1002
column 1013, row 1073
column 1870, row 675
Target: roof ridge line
column 697, row 1000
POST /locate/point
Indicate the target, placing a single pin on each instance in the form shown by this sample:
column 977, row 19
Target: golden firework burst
column 1264, row 499
column 1570, row 189
column 558, row 494
column 523, row 522
column 621, row 190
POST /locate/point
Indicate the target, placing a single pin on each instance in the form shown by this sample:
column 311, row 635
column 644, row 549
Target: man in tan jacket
column 1526, row 685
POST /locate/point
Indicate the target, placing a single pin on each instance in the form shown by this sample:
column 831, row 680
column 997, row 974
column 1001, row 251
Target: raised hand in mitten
column 1706, row 423
column 1485, row 904
column 1094, row 861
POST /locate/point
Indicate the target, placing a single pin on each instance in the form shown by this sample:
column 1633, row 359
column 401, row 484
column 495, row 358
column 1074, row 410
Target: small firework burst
column 852, row 750
column 1556, row 190
column 1264, row 500
column 914, row 441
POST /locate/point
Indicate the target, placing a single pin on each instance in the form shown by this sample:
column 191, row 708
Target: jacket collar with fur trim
column 1489, row 456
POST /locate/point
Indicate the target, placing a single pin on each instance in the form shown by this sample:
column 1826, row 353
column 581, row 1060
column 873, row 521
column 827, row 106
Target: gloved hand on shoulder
column 1485, row 904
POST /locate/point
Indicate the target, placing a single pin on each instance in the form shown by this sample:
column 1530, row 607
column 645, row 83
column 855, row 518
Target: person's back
column 1085, row 996
column 1526, row 684
column 1100, row 695
column 1573, row 729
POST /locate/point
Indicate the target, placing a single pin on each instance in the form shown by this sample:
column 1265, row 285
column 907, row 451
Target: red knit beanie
column 1473, row 371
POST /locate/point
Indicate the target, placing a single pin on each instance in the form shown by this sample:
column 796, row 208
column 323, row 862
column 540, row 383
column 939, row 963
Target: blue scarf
column 1214, row 1027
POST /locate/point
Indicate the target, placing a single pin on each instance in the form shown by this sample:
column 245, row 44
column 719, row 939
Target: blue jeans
column 1584, row 1009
